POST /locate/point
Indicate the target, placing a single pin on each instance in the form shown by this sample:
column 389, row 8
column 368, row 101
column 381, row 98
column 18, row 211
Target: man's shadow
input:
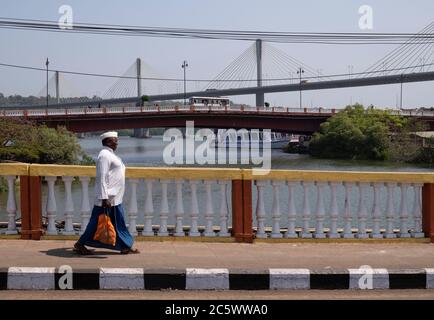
column 69, row 253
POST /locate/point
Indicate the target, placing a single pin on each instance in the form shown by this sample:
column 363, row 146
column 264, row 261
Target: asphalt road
column 423, row 294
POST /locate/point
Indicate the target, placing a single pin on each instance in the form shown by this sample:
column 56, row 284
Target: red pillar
column 428, row 210
column 31, row 213
column 242, row 210
column 247, row 211
column 36, row 207
column 25, row 208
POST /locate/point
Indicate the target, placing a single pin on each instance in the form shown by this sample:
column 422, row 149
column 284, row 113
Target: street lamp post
column 184, row 66
column 300, row 71
column 46, row 64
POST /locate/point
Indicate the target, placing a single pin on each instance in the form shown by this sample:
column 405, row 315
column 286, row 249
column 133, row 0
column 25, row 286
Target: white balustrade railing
column 149, row 108
column 132, row 208
column 13, row 113
column 262, row 108
column 224, row 212
column 51, row 206
column 56, row 112
column 76, row 111
column 341, row 209
column 347, row 211
column 292, row 213
column 283, row 207
column 94, row 110
column 148, row 210
column 11, row 206
column 295, row 110
column 320, row 210
column 167, row 108
column 260, row 210
column 179, row 211
column 275, row 210
column 85, row 205
column 306, row 210
column 194, row 210
column 216, row 218
column 234, row 108
column 185, row 108
column 132, row 109
column 201, row 108
column 250, row 109
column 219, row 108
column 36, row 112
column 69, row 206
column 280, row 109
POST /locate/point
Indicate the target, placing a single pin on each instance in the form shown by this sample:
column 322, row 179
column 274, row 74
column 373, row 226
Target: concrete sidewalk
column 257, row 256
column 219, row 266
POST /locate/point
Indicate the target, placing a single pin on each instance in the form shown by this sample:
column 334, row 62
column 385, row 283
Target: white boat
column 252, row 138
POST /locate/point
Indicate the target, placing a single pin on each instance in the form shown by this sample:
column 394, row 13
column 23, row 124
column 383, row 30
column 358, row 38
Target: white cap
column 109, row 134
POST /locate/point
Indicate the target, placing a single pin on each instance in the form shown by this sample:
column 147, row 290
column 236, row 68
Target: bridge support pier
column 260, row 100
column 141, row 133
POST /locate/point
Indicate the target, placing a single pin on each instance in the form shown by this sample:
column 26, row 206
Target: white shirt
column 110, row 177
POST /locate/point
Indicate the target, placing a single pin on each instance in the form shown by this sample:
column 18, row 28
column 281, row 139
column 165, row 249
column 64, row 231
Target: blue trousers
column 124, row 239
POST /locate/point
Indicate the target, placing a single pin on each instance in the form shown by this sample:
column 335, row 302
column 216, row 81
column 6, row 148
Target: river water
column 149, row 152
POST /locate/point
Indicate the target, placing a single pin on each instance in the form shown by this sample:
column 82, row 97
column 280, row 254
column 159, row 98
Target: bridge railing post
column 428, row 210
column 31, row 207
column 25, row 208
column 242, row 210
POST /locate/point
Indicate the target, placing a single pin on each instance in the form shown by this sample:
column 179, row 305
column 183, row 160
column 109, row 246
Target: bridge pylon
column 140, row 132
column 260, row 99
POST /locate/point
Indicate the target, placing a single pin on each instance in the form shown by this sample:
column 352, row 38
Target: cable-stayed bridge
column 260, row 69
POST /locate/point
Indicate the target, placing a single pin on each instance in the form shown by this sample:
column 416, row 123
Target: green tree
column 356, row 133
column 26, row 142
column 426, row 154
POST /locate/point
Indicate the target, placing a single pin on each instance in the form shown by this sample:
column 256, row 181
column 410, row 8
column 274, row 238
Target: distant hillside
column 18, row 100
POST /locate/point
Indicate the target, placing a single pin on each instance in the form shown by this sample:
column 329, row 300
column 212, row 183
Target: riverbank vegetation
column 369, row 134
column 24, row 141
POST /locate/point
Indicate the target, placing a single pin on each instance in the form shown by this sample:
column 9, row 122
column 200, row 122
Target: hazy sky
column 206, row 58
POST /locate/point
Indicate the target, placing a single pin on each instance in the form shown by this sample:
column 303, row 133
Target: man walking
column 109, row 191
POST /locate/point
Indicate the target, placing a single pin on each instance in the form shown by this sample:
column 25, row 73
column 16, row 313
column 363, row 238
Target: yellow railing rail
column 139, row 172
column 342, row 176
column 18, row 169
column 220, row 173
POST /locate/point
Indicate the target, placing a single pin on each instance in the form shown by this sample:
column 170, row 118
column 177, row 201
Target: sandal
column 81, row 250
column 130, row 251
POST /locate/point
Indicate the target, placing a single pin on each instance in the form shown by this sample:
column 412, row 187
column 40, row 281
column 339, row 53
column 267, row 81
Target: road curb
column 66, row 278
